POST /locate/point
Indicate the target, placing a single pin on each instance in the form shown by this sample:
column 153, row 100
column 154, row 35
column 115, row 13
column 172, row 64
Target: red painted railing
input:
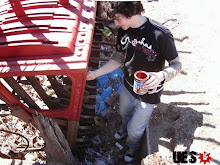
column 47, row 38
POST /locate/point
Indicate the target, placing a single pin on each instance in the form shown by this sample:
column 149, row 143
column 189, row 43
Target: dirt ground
column 189, row 112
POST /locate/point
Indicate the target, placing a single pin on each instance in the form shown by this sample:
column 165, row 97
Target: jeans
column 135, row 117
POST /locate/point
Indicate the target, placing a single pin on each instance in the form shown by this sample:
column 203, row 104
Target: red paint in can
column 140, row 77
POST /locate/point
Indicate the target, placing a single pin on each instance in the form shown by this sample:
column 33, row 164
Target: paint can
column 140, row 77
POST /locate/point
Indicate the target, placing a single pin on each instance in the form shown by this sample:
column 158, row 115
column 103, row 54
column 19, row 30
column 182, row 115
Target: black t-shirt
column 145, row 48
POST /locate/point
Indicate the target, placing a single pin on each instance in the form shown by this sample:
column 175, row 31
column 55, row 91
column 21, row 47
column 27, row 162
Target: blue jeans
column 135, row 117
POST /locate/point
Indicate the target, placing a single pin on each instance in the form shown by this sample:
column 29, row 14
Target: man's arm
column 174, row 68
column 116, row 61
column 165, row 75
column 108, row 67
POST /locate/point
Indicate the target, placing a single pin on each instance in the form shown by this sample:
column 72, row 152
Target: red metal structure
column 51, row 37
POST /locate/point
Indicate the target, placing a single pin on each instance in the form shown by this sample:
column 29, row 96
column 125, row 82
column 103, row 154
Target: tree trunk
column 56, row 146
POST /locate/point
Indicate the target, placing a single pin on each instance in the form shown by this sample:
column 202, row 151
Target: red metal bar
column 8, row 97
column 64, row 2
column 17, row 8
column 23, row 62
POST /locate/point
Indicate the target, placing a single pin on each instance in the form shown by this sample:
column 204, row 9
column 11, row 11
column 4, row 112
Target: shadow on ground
column 175, row 123
column 172, row 126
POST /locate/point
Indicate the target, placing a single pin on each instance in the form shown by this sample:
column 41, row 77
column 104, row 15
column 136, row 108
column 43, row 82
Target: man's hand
column 91, row 75
column 107, row 68
column 153, row 82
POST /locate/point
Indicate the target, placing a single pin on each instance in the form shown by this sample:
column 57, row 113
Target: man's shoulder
column 158, row 26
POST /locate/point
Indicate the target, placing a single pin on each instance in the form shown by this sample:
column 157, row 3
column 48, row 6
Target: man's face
column 122, row 21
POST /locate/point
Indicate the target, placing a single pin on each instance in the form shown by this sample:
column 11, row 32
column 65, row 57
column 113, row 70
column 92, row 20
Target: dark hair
column 128, row 9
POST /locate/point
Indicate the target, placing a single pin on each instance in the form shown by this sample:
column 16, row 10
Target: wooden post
column 72, row 133
column 57, row 148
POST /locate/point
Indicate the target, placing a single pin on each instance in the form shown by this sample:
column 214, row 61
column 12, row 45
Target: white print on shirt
column 126, row 39
column 140, row 45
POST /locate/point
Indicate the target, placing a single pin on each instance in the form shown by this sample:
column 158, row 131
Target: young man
column 142, row 44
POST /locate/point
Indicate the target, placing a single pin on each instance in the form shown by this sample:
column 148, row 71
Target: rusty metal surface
column 61, row 90
column 21, row 92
